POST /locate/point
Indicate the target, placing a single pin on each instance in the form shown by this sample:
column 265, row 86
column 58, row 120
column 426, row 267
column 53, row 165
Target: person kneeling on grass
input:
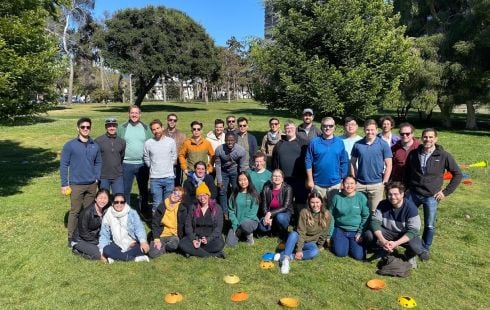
column 243, row 206
column 310, row 235
column 350, row 213
column 168, row 224
column 86, row 234
column 122, row 235
column 203, row 227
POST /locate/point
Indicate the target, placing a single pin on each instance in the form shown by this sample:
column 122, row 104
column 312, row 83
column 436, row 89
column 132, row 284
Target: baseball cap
column 308, row 110
column 110, row 120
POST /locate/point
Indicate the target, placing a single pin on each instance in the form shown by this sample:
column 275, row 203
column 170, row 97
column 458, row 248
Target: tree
column 155, row 41
column 338, row 57
column 29, row 63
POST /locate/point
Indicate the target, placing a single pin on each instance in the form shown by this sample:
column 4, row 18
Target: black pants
column 87, row 250
column 213, row 248
column 414, row 246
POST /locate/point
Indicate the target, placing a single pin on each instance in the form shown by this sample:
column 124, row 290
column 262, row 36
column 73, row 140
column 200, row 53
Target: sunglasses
column 241, row 126
column 274, row 124
column 172, row 120
column 405, row 134
column 328, row 126
column 196, row 129
column 231, row 121
column 85, row 127
column 119, row 202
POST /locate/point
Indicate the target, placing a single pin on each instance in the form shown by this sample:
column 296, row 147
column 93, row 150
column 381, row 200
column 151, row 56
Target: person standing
column 112, row 149
column 350, row 135
column 172, row 132
column 246, row 140
column 401, row 149
column 424, row 175
column 289, row 156
column 259, row 175
column 231, row 124
column 371, row 164
column 387, row 123
column 195, row 149
column 270, row 139
column 135, row 133
column 217, row 137
column 80, row 170
column 327, row 162
column 307, row 130
column 159, row 155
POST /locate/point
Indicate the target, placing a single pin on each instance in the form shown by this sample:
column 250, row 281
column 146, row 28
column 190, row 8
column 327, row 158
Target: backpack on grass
column 393, row 266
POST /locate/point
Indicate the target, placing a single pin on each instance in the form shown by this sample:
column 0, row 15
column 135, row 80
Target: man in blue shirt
column 80, row 169
column 327, row 162
column 371, row 162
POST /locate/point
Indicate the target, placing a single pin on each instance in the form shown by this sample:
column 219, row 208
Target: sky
column 221, row 18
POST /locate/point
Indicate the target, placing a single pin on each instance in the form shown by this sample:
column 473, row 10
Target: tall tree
column 156, row 41
column 29, row 63
column 340, row 57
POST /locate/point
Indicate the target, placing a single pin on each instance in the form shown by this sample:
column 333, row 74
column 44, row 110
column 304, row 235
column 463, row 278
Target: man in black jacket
column 424, row 174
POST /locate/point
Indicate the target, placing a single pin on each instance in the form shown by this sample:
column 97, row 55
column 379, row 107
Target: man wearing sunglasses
column 327, row 162
column 401, row 149
column 172, row 132
column 195, row 149
column 80, row 169
column 112, row 149
column 247, row 141
column 231, row 124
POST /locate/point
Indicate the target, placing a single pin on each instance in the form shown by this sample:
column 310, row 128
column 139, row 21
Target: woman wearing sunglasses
column 122, row 235
column 168, row 224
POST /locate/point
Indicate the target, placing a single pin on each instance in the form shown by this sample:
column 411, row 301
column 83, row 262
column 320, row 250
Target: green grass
column 38, row 270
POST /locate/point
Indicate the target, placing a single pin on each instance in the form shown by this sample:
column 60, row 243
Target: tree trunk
column 471, row 116
column 446, row 110
column 130, row 89
column 65, row 47
column 228, row 86
column 164, row 89
column 120, row 91
column 181, row 91
column 142, row 89
column 102, row 77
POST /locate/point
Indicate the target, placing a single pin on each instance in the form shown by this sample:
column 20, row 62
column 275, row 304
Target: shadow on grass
column 22, row 164
column 167, row 108
column 26, row 121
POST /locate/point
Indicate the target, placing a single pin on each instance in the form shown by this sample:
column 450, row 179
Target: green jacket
column 349, row 213
column 242, row 207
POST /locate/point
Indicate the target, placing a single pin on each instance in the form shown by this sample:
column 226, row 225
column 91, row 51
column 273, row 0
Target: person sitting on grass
column 242, row 207
column 276, row 205
column 203, row 227
column 198, row 176
column 122, row 235
column 350, row 213
column 87, row 232
column 168, row 224
column 310, row 235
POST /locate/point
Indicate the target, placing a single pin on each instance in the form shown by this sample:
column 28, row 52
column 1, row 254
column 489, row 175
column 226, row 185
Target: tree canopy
column 339, row 57
column 156, row 41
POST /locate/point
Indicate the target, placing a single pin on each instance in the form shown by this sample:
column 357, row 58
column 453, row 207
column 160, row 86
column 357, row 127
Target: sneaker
column 142, row 258
column 221, row 255
column 424, row 256
column 413, row 262
column 250, row 239
column 110, row 260
column 285, row 265
column 277, row 257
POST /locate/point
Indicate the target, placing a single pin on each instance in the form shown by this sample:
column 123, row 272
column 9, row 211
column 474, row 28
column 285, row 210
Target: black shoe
column 221, row 254
column 424, row 256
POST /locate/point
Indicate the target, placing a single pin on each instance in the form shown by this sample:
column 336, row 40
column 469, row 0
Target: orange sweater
column 193, row 151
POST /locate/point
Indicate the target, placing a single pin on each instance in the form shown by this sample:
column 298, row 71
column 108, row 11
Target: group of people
column 328, row 188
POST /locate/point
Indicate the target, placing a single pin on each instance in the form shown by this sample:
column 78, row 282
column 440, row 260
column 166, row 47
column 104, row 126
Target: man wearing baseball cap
column 112, row 149
column 308, row 130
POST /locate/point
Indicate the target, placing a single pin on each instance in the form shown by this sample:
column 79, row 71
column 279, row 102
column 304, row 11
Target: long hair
column 251, row 191
column 324, row 218
column 212, row 207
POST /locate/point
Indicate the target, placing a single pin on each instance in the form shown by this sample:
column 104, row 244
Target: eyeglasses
column 241, row 126
column 325, row 126
column 274, row 124
column 177, row 194
column 85, row 127
column 405, row 134
column 119, row 202
column 172, row 120
column 196, row 129
column 277, row 176
column 231, row 121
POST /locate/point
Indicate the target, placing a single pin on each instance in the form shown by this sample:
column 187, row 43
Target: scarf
column 273, row 138
column 118, row 223
column 195, row 180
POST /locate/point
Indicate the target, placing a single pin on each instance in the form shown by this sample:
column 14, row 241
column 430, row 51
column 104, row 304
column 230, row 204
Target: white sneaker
column 110, row 260
column 285, row 265
column 277, row 257
column 142, row 258
column 413, row 262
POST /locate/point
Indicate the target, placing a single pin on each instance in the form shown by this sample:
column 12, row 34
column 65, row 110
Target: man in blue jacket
column 80, row 169
column 327, row 162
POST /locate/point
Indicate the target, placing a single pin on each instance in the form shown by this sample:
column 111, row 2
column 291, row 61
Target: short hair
column 84, row 120
column 134, row 106
column 200, row 163
column 172, row 114
column 370, row 121
column 219, row 121
column 289, row 122
column 349, row 119
column 428, row 130
column 156, row 121
column 387, row 118
column 407, row 124
column 259, row 154
column 273, row 119
column 230, row 134
column 196, row 123
column 395, row 184
column 242, row 119
column 230, row 116
column 327, row 118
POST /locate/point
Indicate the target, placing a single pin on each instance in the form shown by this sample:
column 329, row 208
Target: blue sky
column 221, row 18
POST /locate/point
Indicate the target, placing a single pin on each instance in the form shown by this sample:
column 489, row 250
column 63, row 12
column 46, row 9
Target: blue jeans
column 228, row 178
column 115, row 186
column 310, row 249
column 279, row 222
column 142, row 174
column 344, row 243
column 429, row 204
column 160, row 189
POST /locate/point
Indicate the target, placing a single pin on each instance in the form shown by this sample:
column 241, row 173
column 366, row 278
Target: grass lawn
column 39, row 271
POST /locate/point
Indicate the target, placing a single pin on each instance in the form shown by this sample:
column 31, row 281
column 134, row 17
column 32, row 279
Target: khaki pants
column 81, row 196
column 374, row 193
column 327, row 192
